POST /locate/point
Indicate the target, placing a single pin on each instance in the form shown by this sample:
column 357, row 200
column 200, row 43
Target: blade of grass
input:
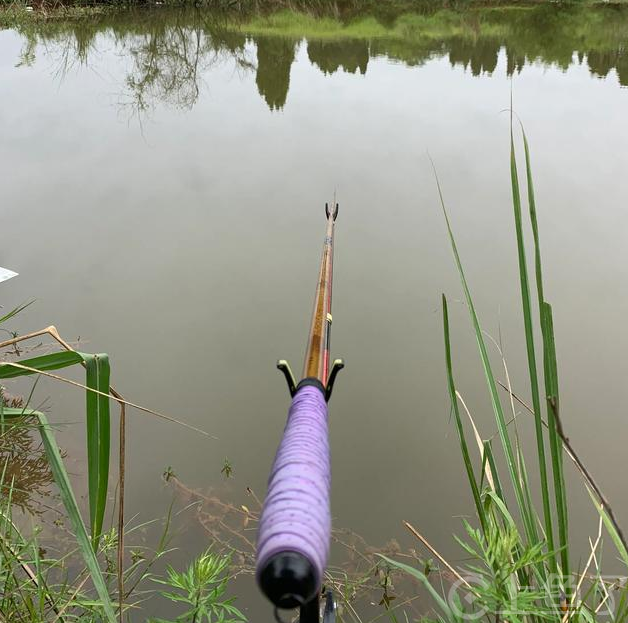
column 610, row 528
column 97, row 416
column 531, row 353
column 69, row 501
column 442, row 604
column 550, row 371
column 17, row 547
column 551, row 388
column 52, row 361
column 454, row 406
column 98, row 440
column 486, row 469
column 524, row 476
column 13, row 412
column 526, row 512
column 15, row 312
column 121, row 485
column 490, row 458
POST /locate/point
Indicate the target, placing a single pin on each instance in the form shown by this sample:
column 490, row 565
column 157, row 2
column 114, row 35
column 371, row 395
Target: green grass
column 96, row 415
column 520, row 572
column 550, row 367
column 38, row 588
column 437, row 24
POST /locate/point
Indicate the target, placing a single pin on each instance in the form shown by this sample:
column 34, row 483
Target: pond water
column 163, row 180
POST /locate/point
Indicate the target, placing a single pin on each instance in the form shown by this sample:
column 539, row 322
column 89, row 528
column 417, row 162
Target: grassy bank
column 385, row 11
column 87, row 571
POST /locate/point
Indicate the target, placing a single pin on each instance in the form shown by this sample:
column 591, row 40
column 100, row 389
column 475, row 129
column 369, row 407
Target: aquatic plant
column 23, row 569
column 201, row 588
column 520, row 556
column 40, row 585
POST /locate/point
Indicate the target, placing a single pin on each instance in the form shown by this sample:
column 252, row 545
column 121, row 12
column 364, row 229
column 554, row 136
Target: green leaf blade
column 69, row 501
column 98, row 439
column 530, row 349
column 52, row 361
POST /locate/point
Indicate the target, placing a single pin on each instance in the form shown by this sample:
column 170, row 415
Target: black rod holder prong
column 338, row 365
column 310, row 611
column 284, row 366
column 327, row 213
column 329, row 613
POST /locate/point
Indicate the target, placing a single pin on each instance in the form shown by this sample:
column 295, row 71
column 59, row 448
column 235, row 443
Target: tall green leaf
column 69, row 501
column 556, row 445
column 529, row 335
column 454, row 406
column 550, row 373
column 490, row 458
column 97, row 425
column 527, row 514
column 98, row 440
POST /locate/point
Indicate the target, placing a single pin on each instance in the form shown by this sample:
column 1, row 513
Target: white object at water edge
column 5, row 274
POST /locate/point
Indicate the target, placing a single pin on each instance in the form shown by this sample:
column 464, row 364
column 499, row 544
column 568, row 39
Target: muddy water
column 163, row 178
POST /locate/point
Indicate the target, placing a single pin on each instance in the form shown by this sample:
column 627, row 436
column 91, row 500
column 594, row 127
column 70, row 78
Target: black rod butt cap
column 288, row 579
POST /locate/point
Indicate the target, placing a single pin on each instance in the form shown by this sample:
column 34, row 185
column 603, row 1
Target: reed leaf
column 531, row 353
column 12, row 413
column 456, row 411
column 69, row 501
column 490, row 457
column 98, row 440
column 527, row 513
column 52, row 361
column 550, row 372
column 98, row 421
column 556, row 446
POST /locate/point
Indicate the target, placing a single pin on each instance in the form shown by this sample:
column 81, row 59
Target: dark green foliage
column 201, row 590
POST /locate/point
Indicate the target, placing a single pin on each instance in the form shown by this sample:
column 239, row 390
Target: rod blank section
column 296, row 517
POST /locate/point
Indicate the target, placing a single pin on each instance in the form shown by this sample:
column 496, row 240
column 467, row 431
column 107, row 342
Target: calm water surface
column 163, row 177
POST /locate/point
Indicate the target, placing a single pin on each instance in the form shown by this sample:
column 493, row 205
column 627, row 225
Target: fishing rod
column 295, row 525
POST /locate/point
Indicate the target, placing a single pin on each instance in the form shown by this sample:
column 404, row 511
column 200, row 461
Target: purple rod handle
column 295, row 526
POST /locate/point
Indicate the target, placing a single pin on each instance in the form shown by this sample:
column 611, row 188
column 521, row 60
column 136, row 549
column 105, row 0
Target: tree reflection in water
column 172, row 51
column 170, row 60
column 274, row 60
column 330, row 56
